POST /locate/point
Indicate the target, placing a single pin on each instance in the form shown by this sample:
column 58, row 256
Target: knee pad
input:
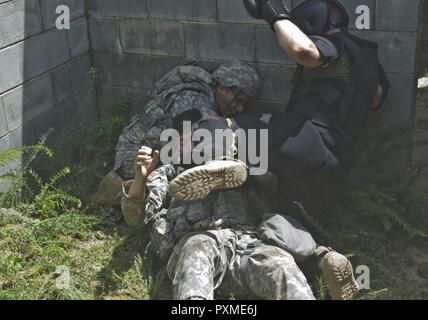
column 307, row 149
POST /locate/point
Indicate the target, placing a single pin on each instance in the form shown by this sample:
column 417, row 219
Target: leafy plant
column 27, row 190
column 19, row 191
column 51, row 200
column 321, row 288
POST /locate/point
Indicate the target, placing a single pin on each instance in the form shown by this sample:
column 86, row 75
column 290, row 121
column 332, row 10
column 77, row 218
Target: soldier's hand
column 145, row 162
column 254, row 8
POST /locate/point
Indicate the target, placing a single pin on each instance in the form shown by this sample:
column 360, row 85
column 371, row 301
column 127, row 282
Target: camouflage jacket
column 241, row 208
column 184, row 88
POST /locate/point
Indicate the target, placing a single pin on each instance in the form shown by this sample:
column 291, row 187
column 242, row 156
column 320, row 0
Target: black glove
column 269, row 10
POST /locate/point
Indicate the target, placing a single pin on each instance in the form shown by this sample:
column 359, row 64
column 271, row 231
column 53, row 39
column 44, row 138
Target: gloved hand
column 269, row 10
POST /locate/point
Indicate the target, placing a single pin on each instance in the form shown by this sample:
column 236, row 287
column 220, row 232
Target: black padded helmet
column 314, row 16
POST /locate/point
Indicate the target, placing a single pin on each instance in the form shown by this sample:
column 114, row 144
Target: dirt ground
column 414, row 262
column 420, row 150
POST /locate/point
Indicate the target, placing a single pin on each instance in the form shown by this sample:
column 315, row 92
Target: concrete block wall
column 44, row 72
column 44, row 77
column 135, row 42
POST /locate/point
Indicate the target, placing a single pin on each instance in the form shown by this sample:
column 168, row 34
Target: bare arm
column 134, row 191
column 297, row 45
column 145, row 163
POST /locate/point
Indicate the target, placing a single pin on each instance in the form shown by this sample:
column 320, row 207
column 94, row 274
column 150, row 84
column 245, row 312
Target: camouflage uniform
column 213, row 242
column 184, row 88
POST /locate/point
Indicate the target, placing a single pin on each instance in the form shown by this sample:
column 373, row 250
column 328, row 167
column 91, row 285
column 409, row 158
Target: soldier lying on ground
column 338, row 83
column 230, row 233
column 186, row 89
column 211, row 242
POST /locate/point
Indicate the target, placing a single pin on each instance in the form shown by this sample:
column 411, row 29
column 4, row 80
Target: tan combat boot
column 109, row 190
column 198, row 182
column 338, row 274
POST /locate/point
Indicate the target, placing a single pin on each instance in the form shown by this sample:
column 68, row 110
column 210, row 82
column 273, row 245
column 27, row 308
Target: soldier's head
column 236, row 86
column 320, row 17
column 338, row 16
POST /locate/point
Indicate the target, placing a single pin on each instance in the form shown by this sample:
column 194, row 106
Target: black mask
column 228, row 111
column 313, row 16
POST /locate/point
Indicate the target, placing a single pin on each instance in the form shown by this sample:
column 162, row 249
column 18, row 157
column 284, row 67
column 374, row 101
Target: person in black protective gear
column 338, row 82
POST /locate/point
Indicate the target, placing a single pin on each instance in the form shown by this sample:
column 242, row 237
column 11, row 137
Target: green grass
column 104, row 258
column 44, row 223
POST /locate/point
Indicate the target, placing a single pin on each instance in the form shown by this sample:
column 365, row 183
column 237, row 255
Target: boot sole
column 341, row 281
column 198, row 182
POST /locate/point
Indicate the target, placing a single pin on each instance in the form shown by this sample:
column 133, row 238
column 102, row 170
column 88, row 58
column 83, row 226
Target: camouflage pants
column 202, row 262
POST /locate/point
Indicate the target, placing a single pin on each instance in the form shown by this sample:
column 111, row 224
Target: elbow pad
column 327, row 49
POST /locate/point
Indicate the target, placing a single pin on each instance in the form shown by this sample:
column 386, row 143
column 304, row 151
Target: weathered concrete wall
column 44, row 79
column 135, row 42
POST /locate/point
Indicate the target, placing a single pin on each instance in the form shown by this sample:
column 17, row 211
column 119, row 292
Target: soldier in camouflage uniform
column 211, row 242
column 187, row 92
column 183, row 90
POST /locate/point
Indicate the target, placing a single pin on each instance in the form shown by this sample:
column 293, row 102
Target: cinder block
column 163, row 65
column 220, row 41
column 27, row 101
column 397, row 50
column 115, row 8
column 4, row 143
column 268, row 48
column 188, row 10
column 234, row 11
column 152, row 37
column 86, row 108
column 11, row 67
column 22, row 136
column 209, row 65
column 398, row 15
column 78, row 37
column 109, row 96
column 127, row 70
column 44, row 52
column 53, row 119
column 399, row 110
column 71, row 79
column 66, row 117
column 77, row 9
column 105, row 34
column 275, row 82
column 3, row 124
column 138, row 98
column 18, row 19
